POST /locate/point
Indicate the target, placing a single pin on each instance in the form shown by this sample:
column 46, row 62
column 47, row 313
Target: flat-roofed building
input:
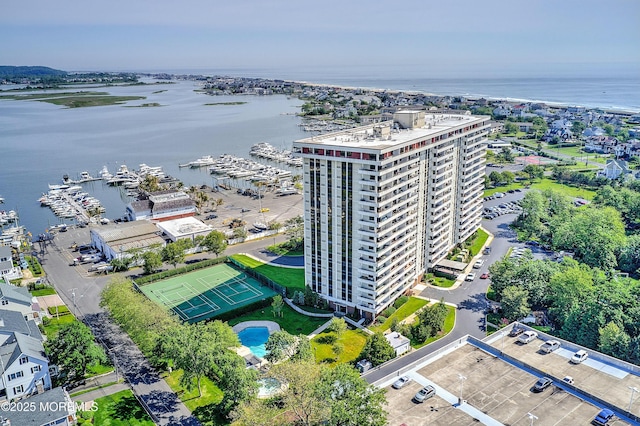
column 162, row 205
column 114, row 241
column 185, row 228
column 385, row 202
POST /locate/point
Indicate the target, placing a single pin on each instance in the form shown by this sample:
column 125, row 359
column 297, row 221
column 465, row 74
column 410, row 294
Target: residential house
column 615, row 169
column 7, row 270
column 54, row 407
column 24, row 367
column 20, row 300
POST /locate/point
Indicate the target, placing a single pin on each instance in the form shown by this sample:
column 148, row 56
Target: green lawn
column 291, row 278
column 571, row 191
column 280, row 250
column 544, row 184
column 478, row 242
column 211, row 394
column 449, row 323
column 411, row 306
column 120, row 409
column 352, row 340
column 440, row 281
column 47, row 291
column 291, row 321
column 52, row 329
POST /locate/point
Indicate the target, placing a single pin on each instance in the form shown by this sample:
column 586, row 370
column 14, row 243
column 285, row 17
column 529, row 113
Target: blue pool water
column 254, row 338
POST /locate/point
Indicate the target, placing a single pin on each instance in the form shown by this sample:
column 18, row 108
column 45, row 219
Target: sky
column 420, row 37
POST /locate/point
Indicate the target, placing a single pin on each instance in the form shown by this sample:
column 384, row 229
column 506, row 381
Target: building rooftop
column 56, row 404
column 184, row 226
column 388, row 134
column 495, row 377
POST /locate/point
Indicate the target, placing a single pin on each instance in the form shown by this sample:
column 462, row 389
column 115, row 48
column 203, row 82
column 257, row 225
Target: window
column 14, row 376
column 18, row 389
column 36, row 369
column 24, row 360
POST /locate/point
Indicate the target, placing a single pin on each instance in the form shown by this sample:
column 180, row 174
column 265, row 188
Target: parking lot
column 492, row 386
column 506, row 207
column 594, row 377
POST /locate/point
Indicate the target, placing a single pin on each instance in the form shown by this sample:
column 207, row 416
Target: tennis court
column 205, row 293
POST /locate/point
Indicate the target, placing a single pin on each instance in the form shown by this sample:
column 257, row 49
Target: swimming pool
column 254, row 338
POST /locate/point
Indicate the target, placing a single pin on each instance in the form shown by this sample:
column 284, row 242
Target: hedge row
column 58, row 310
column 226, row 316
column 147, row 279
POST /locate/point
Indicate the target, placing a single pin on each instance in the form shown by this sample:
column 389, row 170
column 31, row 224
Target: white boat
column 104, row 173
column 260, row 226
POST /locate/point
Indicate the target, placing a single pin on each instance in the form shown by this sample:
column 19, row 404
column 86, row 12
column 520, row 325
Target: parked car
column 527, row 336
column 579, row 356
column 478, row 264
column 471, row 276
column 484, row 276
column 211, row 216
column 603, row 417
column 487, row 250
column 498, row 195
column 542, row 384
column 424, row 394
column 401, row 382
column 550, row 346
column 568, row 379
column 516, row 331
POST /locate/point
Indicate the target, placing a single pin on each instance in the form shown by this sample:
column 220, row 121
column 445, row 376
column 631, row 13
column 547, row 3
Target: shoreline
column 555, row 104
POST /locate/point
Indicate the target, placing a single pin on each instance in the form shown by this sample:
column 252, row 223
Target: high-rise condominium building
column 385, row 202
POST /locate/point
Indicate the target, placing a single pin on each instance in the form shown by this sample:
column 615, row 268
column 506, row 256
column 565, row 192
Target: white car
column 401, row 382
column 478, row 264
column 471, row 276
column 579, row 356
column 527, row 336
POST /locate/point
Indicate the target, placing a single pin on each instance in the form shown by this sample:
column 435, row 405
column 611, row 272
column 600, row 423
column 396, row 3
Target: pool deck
column 270, row 325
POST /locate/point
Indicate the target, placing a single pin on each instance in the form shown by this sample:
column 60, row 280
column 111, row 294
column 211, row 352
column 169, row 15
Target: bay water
column 41, row 142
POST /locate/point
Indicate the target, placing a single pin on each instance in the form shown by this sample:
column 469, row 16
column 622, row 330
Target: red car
column 484, row 276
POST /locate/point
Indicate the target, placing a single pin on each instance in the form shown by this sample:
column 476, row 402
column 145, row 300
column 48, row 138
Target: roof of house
column 59, row 409
column 13, row 321
column 5, row 252
column 16, row 294
column 19, row 344
column 396, row 339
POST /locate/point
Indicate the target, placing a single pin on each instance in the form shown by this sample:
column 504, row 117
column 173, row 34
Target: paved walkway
column 270, row 325
column 99, row 393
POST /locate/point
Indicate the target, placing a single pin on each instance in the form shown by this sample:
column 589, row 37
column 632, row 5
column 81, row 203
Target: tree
column 578, row 127
column 280, row 346
column 511, row 128
column 533, row 171
column 74, row 349
column 152, row 261
column 508, row 177
column 237, row 382
column 173, row 253
column 514, row 303
column 377, row 350
column 258, row 412
column 277, row 305
column 594, row 234
column 506, row 155
column 215, row 242
column 433, row 317
column 614, row 341
column 352, row 401
column 195, row 348
column 301, row 398
column 495, row 178
column 571, row 287
column 629, row 259
column 338, row 326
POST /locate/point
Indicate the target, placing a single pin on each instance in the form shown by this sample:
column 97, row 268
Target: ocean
column 41, row 142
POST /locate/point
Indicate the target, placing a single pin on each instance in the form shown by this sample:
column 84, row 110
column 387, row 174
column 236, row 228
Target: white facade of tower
column 385, row 202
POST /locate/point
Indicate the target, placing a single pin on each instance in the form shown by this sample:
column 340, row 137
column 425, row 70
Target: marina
column 241, row 168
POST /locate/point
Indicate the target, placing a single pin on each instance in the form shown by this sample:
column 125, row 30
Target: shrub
column 389, row 311
column 58, row 310
column 400, row 301
column 327, row 339
column 381, row 319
